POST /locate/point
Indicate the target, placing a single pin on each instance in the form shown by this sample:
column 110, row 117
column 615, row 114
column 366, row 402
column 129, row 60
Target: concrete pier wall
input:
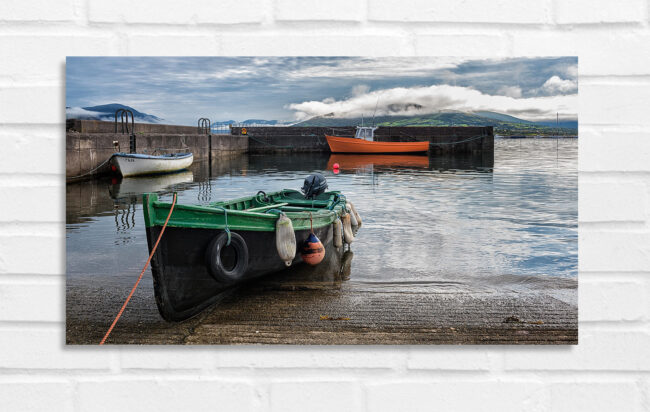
column 86, row 151
column 89, row 143
column 444, row 140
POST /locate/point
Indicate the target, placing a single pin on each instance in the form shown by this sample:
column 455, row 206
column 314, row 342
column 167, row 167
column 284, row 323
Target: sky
column 180, row 90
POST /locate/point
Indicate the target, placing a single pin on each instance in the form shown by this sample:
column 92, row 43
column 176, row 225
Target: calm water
column 451, row 224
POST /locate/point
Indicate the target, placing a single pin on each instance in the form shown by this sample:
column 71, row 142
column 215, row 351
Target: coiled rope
column 153, row 250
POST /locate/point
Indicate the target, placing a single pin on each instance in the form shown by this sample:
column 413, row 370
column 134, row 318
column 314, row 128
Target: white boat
column 133, row 164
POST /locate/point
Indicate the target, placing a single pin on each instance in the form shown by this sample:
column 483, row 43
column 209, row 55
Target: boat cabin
column 366, row 133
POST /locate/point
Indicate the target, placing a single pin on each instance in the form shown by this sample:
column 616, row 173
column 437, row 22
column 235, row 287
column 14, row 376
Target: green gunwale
column 213, row 217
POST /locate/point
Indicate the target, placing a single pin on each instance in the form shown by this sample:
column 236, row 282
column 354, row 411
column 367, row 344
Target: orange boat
column 363, row 142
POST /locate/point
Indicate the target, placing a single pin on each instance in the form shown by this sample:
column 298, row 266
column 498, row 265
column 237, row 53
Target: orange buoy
column 312, row 251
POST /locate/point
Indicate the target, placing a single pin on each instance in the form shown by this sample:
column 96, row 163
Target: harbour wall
column 87, row 151
column 443, row 140
column 90, row 143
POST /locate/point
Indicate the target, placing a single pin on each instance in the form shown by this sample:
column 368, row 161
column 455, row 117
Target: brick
column 36, row 396
column 24, row 348
column 37, row 104
column 202, row 11
column 599, row 11
column 614, row 150
column 472, row 11
column 45, row 152
column 166, row 358
column 196, row 394
column 600, row 52
column 338, row 10
column 453, row 395
column 32, row 254
column 613, row 251
column 36, row 10
column 449, row 358
column 42, row 58
column 17, row 301
column 318, row 357
column 462, row 45
column 595, row 396
column 599, row 350
column 614, row 103
column 159, row 45
column 26, row 204
column 320, row 396
column 316, row 45
column 610, row 300
column 611, row 200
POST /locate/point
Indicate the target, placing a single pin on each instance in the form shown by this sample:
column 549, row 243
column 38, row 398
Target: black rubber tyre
column 216, row 266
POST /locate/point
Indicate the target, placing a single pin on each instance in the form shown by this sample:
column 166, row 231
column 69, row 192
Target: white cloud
column 557, row 85
column 402, row 101
column 81, row 113
column 378, row 67
column 360, row 89
column 572, row 71
column 511, row 91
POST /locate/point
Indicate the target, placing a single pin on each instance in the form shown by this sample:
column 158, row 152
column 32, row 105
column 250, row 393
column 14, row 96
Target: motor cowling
column 314, row 185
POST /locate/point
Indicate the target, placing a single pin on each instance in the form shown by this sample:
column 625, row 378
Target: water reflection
column 128, row 187
column 463, row 221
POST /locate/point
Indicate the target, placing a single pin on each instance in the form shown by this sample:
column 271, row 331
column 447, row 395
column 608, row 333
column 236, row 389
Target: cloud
column 511, row 91
column 81, row 113
column 360, row 89
column 413, row 101
column 557, row 85
column 375, row 68
column 572, row 71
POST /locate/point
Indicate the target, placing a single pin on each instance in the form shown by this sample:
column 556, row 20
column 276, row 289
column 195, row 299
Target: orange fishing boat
column 363, row 142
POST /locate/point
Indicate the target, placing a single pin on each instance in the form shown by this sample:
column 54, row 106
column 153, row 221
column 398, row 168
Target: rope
column 460, row 141
column 268, row 144
column 311, row 223
column 93, row 170
column 469, row 139
column 227, row 230
column 141, row 273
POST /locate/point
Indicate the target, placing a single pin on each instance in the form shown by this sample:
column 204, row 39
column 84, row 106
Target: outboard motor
column 315, row 184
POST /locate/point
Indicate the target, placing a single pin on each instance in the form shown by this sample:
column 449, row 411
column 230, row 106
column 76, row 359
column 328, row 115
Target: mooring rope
column 469, row 139
column 460, row 141
column 93, row 170
column 269, row 144
column 153, row 250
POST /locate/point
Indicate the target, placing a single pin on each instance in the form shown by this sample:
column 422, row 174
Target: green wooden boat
column 193, row 264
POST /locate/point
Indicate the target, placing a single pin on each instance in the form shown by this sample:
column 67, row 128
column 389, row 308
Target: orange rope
column 141, row 274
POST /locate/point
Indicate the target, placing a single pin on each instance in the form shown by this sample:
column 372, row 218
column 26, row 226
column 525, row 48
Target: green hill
column 503, row 124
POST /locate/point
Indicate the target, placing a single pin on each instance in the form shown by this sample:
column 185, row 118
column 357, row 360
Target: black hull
column 183, row 285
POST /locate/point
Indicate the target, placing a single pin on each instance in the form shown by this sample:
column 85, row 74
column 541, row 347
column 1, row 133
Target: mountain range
column 502, row 123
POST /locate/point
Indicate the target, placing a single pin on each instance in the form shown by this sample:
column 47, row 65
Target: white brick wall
column 609, row 370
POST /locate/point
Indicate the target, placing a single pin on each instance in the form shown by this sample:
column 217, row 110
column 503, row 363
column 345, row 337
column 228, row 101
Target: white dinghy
column 133, row 164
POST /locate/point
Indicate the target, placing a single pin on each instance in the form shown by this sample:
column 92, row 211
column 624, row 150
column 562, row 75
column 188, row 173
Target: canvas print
column 321, row 200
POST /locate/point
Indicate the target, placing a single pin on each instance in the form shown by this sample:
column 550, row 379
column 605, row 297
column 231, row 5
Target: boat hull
column 133, row 164
column 185, row 282
column 353, row 145
column 183, row 285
